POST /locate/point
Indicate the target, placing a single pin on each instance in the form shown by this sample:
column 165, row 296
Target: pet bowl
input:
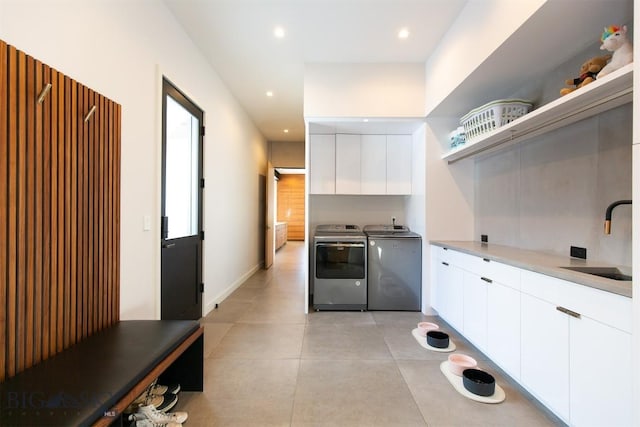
column 458, row 362
column 437, row 339
column 425, row 327
column 478, row 382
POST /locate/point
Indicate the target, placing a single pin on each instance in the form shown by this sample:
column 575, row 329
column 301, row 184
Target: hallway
column 269, row 364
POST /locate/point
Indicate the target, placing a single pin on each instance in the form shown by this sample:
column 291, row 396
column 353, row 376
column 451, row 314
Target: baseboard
column 211, row 305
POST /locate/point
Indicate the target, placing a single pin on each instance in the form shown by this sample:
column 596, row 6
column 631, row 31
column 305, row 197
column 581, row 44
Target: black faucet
column 607, row 216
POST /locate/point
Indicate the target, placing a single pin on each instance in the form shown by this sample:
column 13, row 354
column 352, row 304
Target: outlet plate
column 578, row 252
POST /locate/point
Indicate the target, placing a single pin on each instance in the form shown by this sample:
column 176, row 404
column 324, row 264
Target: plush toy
column 614, row 39
column 588, row 72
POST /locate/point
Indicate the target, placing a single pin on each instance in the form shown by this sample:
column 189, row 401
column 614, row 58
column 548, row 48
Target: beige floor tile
column 261, row 341
column 205, row 411
column 344, row 341
column 341, row 317
column 228, row 311
column 408, row 319
column 442, row 405
column 213, row 334
column 353, row 393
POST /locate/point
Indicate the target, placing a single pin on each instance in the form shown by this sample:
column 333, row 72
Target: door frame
column 169, row 88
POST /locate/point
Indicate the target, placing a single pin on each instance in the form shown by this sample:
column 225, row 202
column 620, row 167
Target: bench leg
column 188, row 369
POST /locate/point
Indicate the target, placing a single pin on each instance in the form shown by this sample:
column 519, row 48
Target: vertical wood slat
column 12, row 208
column 46, row 224
column 4, row 166
column 59, row 212
column 39, row 229
column 61, row 216
column 22, row 201
column 55, row 209
column 29, row 212
column 72, row 114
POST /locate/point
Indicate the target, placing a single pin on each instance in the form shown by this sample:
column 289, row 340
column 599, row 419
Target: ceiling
column 237, row 37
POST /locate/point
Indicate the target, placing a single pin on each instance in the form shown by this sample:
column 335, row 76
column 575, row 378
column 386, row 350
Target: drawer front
column 484, row 267
column 605, row 307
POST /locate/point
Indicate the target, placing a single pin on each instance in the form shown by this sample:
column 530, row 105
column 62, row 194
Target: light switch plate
column 146, row 223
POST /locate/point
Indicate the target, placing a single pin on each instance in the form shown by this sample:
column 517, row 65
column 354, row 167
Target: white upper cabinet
column 360, row 164
column 373, row 165
column 399, row 164
column 348, row 153
column 322, row 164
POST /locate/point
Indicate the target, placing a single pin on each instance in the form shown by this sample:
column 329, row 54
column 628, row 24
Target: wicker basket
column 493, row 115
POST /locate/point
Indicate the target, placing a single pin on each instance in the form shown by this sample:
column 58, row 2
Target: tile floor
column 269, row 364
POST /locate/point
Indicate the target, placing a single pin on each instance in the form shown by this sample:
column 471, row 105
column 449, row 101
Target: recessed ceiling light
column 286, row 131
column 365, row 120
column 403, row 33
column 269, row 93
column 278, row 32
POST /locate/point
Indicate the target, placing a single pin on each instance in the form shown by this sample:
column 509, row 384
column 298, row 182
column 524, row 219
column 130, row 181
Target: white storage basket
column 493, row 115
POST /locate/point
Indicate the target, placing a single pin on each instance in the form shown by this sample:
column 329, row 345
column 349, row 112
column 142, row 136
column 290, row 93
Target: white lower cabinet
column 449, row 292
column 600, row 388
column 475, row 309
column 545, row 353
column 503, row 327
column 567, row 344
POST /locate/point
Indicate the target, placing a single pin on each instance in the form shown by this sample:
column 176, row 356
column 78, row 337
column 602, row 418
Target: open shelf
column 611, row 91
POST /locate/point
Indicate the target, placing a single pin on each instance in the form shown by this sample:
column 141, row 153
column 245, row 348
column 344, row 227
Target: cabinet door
column 450, row 294
column 475, row 309
column 373, row 164
column 399, row 164
column 545, row 353
column 322, row 164
column 347, row 164
column 600, row 372
column 503, row 327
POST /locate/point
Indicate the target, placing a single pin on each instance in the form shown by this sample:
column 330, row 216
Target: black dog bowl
column 437, row 339
column 478, row 382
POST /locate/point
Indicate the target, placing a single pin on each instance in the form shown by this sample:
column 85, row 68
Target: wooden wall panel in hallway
column 291, row 204
column 59, row 211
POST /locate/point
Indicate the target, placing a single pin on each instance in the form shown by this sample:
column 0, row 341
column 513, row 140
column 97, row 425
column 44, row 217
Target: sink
column 608, row 272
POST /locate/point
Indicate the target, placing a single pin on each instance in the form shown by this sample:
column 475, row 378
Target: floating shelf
column 611, row 91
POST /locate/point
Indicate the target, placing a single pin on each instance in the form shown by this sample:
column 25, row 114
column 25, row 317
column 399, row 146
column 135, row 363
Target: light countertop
column 543, row 263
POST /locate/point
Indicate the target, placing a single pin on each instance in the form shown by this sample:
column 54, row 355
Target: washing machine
column 394, row 268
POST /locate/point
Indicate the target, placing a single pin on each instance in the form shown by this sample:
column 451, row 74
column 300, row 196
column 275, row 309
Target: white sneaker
column 149, row 423
column 149, row 412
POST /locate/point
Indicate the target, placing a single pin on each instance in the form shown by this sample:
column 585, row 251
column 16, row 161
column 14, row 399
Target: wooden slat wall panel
column 59, row 212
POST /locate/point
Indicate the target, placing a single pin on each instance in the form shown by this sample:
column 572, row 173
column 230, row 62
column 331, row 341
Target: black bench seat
column 91, row 382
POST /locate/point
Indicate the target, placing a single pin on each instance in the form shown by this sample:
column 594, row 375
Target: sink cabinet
column 567, row 344
column 576, row 350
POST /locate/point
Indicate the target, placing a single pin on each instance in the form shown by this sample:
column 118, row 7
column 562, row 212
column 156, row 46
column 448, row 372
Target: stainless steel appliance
column 394, row 272
column 339, row 267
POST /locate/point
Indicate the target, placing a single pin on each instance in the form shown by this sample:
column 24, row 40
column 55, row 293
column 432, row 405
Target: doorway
column 181, row 210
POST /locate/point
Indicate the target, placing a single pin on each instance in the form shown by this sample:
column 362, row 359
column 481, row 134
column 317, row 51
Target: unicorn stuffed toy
column 614, row 39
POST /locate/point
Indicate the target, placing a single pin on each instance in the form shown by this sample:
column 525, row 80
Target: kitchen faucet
column 607, row 217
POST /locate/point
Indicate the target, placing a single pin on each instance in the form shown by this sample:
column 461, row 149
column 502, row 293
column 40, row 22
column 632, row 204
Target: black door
column 182, row 183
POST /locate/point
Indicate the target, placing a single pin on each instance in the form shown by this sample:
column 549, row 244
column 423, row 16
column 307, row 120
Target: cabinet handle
column 569, row 312
column 445, row 263
column 486, row 280
column 486, row 259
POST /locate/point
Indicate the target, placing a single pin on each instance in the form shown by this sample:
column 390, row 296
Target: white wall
column 120, row 49
column 364, row 90
column 479, row 30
